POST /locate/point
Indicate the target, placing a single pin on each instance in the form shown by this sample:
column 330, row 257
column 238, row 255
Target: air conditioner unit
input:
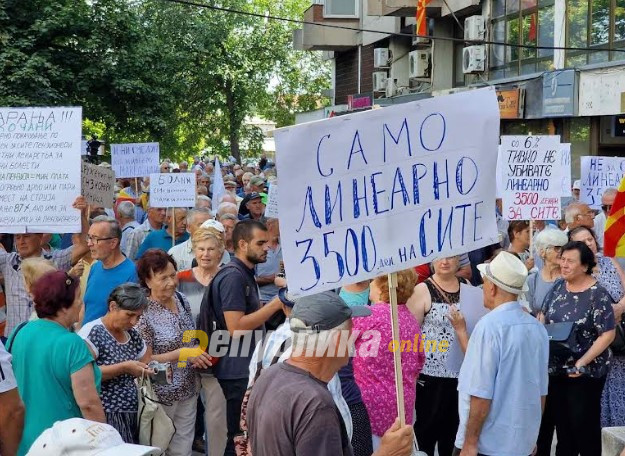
column 419, row 63
column 474, row 59
column 390, row 88
column 379, row 81
column 474, row 28
column 418, row 39
column 381, row 58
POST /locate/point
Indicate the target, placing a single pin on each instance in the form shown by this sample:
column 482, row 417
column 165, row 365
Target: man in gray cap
column 307, row 422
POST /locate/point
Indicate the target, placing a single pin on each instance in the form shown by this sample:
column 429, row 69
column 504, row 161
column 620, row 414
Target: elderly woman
column 548, row 244
column 55, row 372
column 577, row 375
column 162, row 326
column 372, row 374
column 609, row 274
column 208, row 247
column 432, row 303
column 121, row 354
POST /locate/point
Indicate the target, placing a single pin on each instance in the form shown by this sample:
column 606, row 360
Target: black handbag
column 560, row 339
column 618, row 344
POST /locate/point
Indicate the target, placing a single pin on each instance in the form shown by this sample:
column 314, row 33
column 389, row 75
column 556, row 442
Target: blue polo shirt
column 159, row 239
column 101, row 282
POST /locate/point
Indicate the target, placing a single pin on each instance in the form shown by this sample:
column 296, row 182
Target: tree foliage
column 185, row 76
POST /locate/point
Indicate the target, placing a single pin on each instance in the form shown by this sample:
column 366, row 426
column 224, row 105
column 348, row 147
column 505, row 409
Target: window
column 524, row 22
column 597, row 24
column 340, row 8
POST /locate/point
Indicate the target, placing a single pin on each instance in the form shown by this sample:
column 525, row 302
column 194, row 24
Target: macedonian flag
column 614, row 234
column 422, row 29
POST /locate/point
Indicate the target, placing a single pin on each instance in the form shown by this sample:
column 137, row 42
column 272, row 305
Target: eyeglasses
column 556, row 248
column 606, row 207
column 96, row 239
column 587, row 214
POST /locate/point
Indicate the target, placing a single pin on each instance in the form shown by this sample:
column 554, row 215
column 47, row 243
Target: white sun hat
column 80, row 437
column 507, row 272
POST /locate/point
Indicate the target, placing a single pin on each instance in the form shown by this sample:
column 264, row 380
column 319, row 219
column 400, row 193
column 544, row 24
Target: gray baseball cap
column 324, row 311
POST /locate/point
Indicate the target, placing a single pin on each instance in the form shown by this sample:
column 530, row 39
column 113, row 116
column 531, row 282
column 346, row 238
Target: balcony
column 320, row 38
column 406, row 8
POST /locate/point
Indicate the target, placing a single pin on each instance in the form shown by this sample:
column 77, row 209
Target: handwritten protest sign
column 532, row 177
column 565, row 162
column 134, row 160
column 376, row 192
column 597, row 175
column 39, row 169
column 172, row 190
column 271, row 211
column 98, row 185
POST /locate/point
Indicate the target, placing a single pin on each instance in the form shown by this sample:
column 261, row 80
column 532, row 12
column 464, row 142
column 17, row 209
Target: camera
column 163, row 373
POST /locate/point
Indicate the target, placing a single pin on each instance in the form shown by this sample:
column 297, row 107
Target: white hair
column 610, row 192
column 223, row 209
column 126, row 209
column 309, row 342
column 193, row 212
column 549, row 237
column 171, row 210
column 572, row 211
column 205, row 199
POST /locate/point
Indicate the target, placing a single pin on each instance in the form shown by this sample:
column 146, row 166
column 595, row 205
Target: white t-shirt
column 7, row 379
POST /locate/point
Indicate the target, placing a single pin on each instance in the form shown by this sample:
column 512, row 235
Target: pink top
column 375, row 375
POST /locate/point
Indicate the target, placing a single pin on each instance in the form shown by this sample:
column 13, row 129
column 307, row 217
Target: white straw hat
column 80, row 437
column 507, row 272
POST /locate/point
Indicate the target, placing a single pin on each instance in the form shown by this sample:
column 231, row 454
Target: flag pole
column 399, row 382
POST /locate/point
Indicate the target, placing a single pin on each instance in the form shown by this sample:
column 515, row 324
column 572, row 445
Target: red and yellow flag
column 614, row 234
column 422, row 29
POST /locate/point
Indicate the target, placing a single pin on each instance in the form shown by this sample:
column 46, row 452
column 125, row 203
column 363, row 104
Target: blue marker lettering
column 399, row 180
column 447, row 231
column 359, row 151
column 416, row 177
column 437, row 182
column 422, row 235
column 308, row 200
column 443, row 132
column 357, row 198
column 318, row 158
column 475, row 219
column 460, row 168
column 376, row 192
column 404, row 125
column 330, row 207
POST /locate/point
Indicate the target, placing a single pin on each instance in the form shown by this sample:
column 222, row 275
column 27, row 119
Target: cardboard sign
column 597, row 175
column 380, row 191
column 271, row 210
column 39, row 169
column 98, row 185
column 172, row 190
column 135, row 160
column 532, row 173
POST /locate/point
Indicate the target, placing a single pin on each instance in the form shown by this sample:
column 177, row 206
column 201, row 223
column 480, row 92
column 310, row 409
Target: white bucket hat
column 80, row 437
column 507, row 272
column 213, row 224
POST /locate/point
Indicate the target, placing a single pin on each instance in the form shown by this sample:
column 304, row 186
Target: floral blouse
column 162, row 330
column 591, row 310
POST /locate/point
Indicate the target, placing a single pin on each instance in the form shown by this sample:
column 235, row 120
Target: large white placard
column 565, row 162
column 39, row 169
column 172, row 190
column 98, row 185
column 532, row 173
column 376, row 192
column 135, row 160
column 271, row 210
column 598, row 174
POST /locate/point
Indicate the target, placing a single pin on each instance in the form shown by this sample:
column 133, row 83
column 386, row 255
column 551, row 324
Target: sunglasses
column 606, row 207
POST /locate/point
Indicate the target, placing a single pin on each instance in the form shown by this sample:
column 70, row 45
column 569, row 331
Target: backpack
column 242, row 445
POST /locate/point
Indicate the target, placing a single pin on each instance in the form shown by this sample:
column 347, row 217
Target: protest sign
column 565, row 162
column 271, row 211
column 172, row 190
column 39, row 169
column 531, row 183
column 98, row 185
column 135, row 160
column 597, row 175
column 371, row 193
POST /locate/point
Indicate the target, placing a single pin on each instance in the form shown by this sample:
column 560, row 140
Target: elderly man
column 204, row 181
column 607, row 200
column 226, row 208
column 579, row 214
column 183, row 166
column 164, row 238
column 111, row 267
column 183, row 253
column 203, row 202
column 309, row 423
column 19, row 304
column 229, row 221
column 576, row 189
column 154, row 221
column 255, row 207
column 126, row 217
column 165, row 167
column 257, row 184
column 503, row 380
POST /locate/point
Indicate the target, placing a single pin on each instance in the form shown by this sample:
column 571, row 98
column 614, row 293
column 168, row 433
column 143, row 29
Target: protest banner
column 565, row 162
column 271, row 210
column 531, row 183
column 135, row 160
column 371, row 193
column 40, row 169
column 98, row 185
column 172, row 190
column 597, row 175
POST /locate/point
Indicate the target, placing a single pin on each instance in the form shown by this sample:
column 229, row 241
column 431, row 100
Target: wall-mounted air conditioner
column 390, row 88
column 379, row 81
column 474, row 59
column 381, row 58
column 474, row 28
column 419, row 63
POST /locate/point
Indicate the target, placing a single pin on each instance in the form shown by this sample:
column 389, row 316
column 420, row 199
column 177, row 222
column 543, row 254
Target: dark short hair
column 151, row 262
column 516, row 226
column 579, row 229
column 244, row 231
column 129, row 296
column 53, row 292
column 587, row 258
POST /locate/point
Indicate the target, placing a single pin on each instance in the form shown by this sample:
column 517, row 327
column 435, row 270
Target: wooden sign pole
column 399, row 382
column 531, row 238
column 173, row 227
